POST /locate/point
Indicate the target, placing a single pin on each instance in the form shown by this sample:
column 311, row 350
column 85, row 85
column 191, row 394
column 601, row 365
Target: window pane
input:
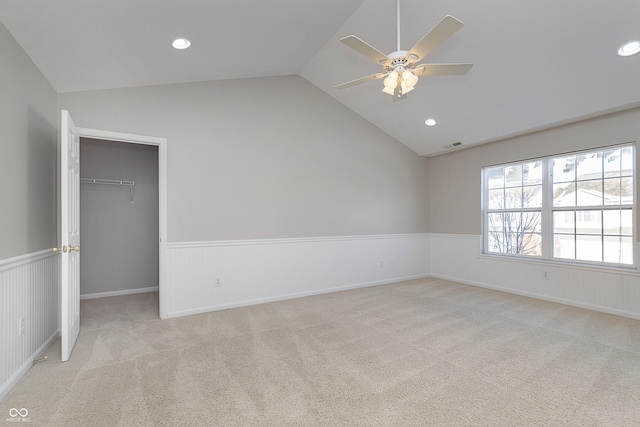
column 564, row 169
column 612, row 163
column 515, row 243
column 495, row 177
column 513, row 176
column 589, row 193
column 511, row 221
column 532, row 196
column 502, row 242
column 626, row 161
column 589, row 222
column 494, row 243
column 612, row 191
column 496, row 199
column 495, row 222
column 626, row 191
column 564, row 194
column 626, row 222
column 514, row 233
column 617, row 222
column 564, row 246
column 532, row 173
column 589, row 248
column 564, row 222
column 531, row 222
column 513, row 198
column 611, row 222
column 531, row 244
column 618, row 250
column 589, row 166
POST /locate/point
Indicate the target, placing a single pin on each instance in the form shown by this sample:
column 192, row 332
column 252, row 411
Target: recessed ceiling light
column 181, row 43
column 629, row 48
column 430, row 122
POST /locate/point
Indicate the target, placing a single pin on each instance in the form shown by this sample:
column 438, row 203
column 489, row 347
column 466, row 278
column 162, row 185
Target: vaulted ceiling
column 537, row 64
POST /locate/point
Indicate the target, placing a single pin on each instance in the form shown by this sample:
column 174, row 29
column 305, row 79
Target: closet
column 118, row 218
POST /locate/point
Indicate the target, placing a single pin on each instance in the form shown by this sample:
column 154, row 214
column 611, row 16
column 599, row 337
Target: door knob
column 74, row 248
column 62, row 249
column 57, row 250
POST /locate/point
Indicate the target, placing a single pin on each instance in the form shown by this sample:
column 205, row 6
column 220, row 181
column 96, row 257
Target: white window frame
column 548, row 209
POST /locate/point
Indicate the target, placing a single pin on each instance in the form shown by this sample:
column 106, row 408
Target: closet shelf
column 129, row 184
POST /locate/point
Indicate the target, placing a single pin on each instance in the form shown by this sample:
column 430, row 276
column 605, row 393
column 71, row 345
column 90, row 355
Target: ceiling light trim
column 181, row 43
column 629, row 48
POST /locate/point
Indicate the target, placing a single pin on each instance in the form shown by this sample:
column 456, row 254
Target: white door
column 70, row 233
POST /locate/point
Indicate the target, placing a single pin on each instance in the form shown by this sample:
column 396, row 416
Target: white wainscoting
column 258, row 271
column 458, row 258
column 29, row 290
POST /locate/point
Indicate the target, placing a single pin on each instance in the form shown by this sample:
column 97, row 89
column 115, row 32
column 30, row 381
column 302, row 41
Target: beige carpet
column 418, row 353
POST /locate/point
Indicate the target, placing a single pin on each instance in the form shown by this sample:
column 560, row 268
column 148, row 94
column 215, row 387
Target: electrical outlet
column 545, row 275
column 21, row 327
column 216, row 282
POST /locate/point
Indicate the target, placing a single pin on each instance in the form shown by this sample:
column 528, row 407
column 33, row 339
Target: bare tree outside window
column 513, row 220
column 515, row 232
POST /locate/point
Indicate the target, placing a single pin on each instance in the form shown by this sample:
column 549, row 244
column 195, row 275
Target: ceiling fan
column 401, row 68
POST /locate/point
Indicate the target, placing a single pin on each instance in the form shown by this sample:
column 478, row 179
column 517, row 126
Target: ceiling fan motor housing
column 399, row 59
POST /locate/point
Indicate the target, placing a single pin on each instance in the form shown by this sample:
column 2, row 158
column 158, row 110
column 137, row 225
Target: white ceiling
column 536, row 63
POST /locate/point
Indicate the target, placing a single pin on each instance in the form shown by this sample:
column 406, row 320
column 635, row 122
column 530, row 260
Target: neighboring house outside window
column 576, row 207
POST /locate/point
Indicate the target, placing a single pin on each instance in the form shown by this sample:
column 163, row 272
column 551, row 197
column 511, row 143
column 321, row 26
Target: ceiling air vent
column 455, row 144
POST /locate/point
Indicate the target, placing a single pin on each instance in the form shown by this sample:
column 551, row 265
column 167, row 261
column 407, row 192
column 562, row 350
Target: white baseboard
column 24, row 368
column 119, row 293
column 573, row 303
column 289, row 296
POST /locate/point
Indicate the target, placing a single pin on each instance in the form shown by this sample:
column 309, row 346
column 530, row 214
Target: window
column 576, row 207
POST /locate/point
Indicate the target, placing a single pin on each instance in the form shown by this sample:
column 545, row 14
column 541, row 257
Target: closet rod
column 130, row 184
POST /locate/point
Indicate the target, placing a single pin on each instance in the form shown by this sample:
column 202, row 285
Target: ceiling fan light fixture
column 629, row 48
column 405, row 89
column 390, row 83
column 389, row 91
column 409, row 79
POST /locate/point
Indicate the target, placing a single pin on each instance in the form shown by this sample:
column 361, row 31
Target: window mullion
column 547, row 202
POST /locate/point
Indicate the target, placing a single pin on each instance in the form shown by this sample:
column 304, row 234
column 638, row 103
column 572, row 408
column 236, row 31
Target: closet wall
column 119, row 239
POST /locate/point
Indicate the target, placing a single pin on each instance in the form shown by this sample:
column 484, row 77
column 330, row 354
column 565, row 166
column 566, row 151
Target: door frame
column 161, row 143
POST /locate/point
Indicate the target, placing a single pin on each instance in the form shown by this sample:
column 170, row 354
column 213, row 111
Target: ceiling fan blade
column 442, row 31
column 441, row 69
column 364, row 48
column 360, row 80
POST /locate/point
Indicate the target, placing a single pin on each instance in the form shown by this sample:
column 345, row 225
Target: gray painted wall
column 119, row 239
column 267, row 158
column 454, row 179
column 28, row 159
